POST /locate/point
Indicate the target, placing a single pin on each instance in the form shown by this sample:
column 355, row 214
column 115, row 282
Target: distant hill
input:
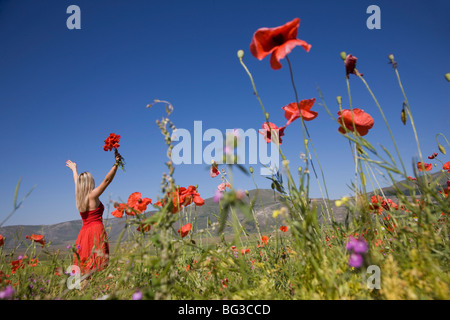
column 65, row 233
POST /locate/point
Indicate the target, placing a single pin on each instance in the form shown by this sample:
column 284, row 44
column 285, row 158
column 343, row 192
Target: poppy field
column 392, row 246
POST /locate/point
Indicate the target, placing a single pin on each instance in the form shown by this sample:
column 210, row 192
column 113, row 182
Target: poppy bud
column 250, row 169
column 339, row 100
column 267, row 116
column 391, row 57
column 441, row 148
column 403, row 116
column 343, row 55
column 447, row 76
column 240, row 54
column 299, row 169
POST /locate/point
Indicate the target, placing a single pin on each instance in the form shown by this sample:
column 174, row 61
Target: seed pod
column 403, row 116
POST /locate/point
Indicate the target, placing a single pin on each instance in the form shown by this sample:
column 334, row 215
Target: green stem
column 385, row 120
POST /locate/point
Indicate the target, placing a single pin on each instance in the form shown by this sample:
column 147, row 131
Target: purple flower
column 218, row 195
column 357, row 245
column 357, row 248
column 6, row 293
column 360, row 247
column 355, row 260
column 137, row 295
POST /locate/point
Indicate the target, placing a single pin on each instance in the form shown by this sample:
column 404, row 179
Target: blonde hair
column 85, row 185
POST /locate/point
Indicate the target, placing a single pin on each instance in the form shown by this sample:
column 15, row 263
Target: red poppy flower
column 350, row 64
column 120, row 208
column 292, row 113
column 376, row 204
column 411, row 178
column 284, row 228
column 434, row 155
column 427, row 166
column 37, row 238
column 16, row 264
column 245, row 251
column 214, row 170
column 184, row 230
column 136, row 202
column 184, row 197
column 363, row 122
column 2, row 240
column 278, row 41
column 33, row 262
column 144, row 227
column 265, row 239
column 112, row 142
column 446, row 166
column 388, row 204
column 267, row 133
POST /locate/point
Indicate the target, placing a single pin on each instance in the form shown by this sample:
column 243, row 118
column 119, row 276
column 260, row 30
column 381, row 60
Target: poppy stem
column 305, row 129
column 387, row 124
column 267, row 119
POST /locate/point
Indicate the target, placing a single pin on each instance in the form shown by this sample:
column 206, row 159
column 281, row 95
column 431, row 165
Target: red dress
column 92, row 242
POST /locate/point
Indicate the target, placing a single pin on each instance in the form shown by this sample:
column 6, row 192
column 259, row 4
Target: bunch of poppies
column 112, row 142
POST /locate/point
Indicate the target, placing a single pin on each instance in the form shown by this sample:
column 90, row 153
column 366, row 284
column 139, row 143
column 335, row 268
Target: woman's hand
column 71, row 165
column 118, row 156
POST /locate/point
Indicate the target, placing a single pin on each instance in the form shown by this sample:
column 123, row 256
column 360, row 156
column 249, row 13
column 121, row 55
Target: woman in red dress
column 92, row 242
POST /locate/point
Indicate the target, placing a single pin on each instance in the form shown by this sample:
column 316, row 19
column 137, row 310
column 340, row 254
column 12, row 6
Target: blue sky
column 63, row 91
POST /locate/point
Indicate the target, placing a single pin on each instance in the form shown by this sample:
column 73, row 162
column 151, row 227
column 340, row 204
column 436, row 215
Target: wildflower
column 355, row 260
column 120, row 209
column 446, row 166
column 358, row 119
column 223, row 186
column 284, row 228
column 137, row 203
column 37, row 238
column 16, row 264
column 224, row 282
column 267, row 133
column 275, row 213
column 112, row 142
column 184, row 230
column 214, row 170
column 341, row 202
column 278, row 41
column 137, row 295
column 358, row 247
column 144, row 228
column 291, row 111
column 411, row 178
column 265, row 239
column 2, row 240
column 376, row 204
column 434, row 155
column 350, row 65
column 245, row 251
column 427, row 166
column 218, row 195
column 7, row 292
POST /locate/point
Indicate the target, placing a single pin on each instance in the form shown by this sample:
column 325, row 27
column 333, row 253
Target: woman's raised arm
column 73, row 167
column 108, row 179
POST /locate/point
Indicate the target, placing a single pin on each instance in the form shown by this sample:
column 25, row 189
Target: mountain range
column 266, row 200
